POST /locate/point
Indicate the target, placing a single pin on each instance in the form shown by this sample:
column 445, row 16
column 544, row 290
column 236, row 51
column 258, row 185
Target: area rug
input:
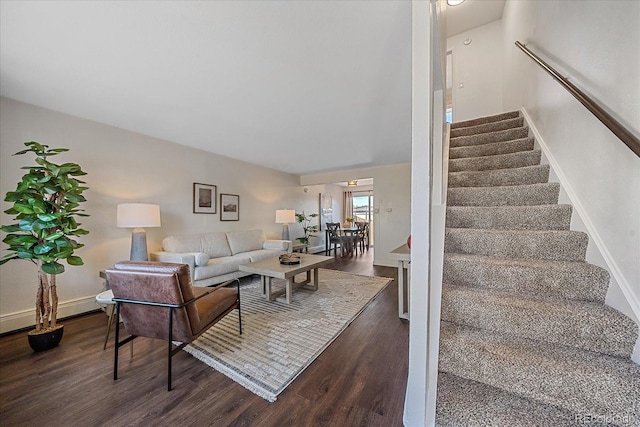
column 279, row 340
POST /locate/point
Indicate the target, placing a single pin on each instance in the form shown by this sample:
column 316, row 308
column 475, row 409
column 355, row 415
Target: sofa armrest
column 176, row 257
column 279, row 245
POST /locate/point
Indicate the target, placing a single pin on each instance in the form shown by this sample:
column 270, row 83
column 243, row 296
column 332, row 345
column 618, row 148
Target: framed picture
column 204, row 198
column 229, row 207
column 326, row 210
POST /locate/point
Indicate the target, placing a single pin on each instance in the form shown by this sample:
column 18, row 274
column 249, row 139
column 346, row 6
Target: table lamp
column 284, row 217
column 137, row 216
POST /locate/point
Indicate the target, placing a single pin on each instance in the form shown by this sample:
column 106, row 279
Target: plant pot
column 45, row 340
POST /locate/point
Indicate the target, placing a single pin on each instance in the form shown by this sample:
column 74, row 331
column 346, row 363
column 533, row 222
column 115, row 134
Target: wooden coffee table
column 271, row 268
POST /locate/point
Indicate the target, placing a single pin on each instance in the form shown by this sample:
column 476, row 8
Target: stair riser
column 537, row 194
column 489, row 138
column 576, row 281
column 549, row 375
column 506, row 147
column 503, row 161
column 552, row 245
column 488, row 119
column 582, row 325
column 553, row 217
column 518, row 176
column 488, row 127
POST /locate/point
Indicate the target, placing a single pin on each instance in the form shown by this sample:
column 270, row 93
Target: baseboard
column 26, row 318
column 611, row 264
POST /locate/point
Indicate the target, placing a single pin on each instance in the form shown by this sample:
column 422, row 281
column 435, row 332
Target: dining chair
column 361, row 235
column 156, row 300
column 335, row 237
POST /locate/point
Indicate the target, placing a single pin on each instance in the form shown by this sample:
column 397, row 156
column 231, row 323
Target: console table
column 403, row 255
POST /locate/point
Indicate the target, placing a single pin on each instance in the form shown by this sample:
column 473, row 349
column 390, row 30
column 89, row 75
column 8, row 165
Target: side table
column 300, row 247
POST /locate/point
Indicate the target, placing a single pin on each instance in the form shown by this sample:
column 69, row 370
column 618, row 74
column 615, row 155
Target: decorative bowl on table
column 289, row 259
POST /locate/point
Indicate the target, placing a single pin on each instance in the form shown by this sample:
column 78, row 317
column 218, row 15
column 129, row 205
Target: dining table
column 346, row 231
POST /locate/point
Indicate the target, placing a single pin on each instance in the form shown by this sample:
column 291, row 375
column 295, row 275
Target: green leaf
column 75, row 260
column 53, row 268
column 44, row 248
column 22, row 208
column 79, row 232
column 24, row 254
column 10, row 228
column 63, row 253
column 47, row 217
column 54, row 236
column 40, row 225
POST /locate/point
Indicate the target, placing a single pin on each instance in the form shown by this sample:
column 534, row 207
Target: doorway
column 362, row 208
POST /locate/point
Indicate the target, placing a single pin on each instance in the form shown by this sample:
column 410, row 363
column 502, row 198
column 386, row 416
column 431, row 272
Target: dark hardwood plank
column 359, row 380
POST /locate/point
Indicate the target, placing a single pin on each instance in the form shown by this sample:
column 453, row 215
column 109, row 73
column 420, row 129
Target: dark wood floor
column 359, row 380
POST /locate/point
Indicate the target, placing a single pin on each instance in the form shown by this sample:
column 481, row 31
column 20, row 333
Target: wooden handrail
column 607, row 119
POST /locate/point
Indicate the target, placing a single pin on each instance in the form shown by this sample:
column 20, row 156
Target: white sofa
column 215, row 257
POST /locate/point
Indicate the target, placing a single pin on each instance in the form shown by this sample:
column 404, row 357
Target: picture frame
column 326, row 210
column 229, row 207
column 204, row 198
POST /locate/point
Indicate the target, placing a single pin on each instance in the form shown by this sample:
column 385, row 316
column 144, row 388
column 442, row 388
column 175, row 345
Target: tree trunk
column 54, row 300
column 43, row 303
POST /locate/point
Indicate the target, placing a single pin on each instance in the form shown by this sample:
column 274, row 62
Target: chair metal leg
column 170, row 349
column 111, row 310
column 239, row 312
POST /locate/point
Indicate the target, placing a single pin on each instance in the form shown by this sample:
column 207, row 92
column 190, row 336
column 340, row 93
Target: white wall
column 477, row 66
column 595, row 43
column 123, row 166
column 392, row 198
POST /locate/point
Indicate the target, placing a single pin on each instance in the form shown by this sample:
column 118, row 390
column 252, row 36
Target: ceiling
column 471, row 14
column 299, row 86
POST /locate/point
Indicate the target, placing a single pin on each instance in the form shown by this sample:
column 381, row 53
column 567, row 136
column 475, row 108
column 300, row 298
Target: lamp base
column 285, row 231
column 139, row 245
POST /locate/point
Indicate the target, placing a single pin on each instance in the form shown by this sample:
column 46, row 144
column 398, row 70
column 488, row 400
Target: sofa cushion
column 219, row 266
column 245, row 241
column 215, row 244
column 183, row 243
column 264, row 254
column 201, row 258
column 278, row 245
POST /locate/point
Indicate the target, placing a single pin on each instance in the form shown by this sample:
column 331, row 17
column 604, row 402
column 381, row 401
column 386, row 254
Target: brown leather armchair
column 156, row 300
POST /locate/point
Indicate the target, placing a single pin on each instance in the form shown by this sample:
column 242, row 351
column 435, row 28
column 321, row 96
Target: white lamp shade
column 285, row 216
column 138, row 215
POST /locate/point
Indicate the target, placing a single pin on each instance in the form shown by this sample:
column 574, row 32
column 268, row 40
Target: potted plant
column 308, row 229
column 45, row 206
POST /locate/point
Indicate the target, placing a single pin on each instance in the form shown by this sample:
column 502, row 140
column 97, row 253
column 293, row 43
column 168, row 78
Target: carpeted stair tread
column 580, row 324
column 507, row 195
column 579, row 381
column 500, row 177
column 540, row 217
column 498, row 161
column 555, row 245
column 487, row 127
column 466, row 403
column 504, row 147
column 487, row 119
column 561, row 279
column 491, row 137
column 526, row 337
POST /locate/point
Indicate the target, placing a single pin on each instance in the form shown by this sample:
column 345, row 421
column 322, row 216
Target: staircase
column 526, row 339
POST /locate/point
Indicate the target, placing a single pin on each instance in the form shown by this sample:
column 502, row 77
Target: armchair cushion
column 213, row 305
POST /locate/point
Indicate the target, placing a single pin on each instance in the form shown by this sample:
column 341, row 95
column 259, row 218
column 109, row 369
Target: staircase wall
column 621, row 294
column 596, row 46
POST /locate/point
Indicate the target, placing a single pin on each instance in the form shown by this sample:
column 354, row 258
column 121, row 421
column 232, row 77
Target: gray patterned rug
column 278, row 340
